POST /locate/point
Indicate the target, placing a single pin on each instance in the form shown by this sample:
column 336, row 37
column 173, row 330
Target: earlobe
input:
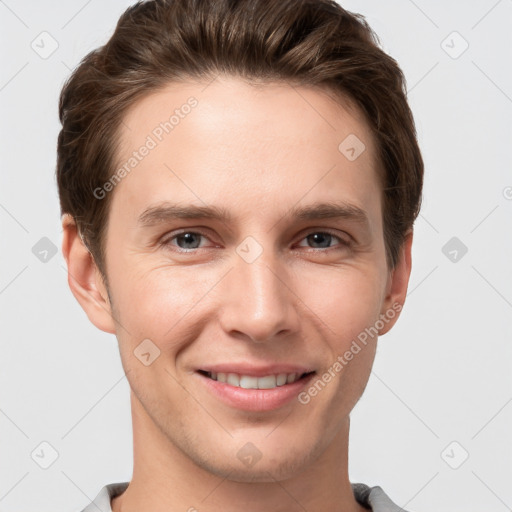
column 84, row 278
column 397, row 285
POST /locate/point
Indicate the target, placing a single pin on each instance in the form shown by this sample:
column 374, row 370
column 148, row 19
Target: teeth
column 250, row 382
column 268, row 382
column 281, row 379
column 233, row 379
column 291, row 378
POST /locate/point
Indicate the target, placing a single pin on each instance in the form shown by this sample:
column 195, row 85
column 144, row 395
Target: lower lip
column 255, row 399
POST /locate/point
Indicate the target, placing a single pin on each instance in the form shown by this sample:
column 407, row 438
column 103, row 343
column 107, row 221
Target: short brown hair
column 304, row 42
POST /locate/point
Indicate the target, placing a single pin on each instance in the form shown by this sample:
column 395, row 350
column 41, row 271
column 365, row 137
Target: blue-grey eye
column 190, row 240
column 322, row 239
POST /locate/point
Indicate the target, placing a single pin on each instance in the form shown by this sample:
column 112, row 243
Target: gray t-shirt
column 373, row 498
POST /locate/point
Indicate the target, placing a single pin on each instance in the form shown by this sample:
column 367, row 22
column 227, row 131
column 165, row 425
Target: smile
column 266, row 391
column 251, row 382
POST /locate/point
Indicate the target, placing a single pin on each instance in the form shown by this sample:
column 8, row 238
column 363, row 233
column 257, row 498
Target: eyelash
column 343, row 244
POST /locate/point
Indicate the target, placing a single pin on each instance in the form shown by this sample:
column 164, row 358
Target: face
column 245, row 248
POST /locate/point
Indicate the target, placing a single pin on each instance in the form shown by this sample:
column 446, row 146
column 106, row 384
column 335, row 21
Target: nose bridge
column 258, row 301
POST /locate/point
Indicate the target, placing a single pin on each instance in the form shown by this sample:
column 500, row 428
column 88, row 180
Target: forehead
column 271, row 142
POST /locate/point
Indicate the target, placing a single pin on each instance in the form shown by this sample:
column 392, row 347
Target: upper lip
column 255, row 370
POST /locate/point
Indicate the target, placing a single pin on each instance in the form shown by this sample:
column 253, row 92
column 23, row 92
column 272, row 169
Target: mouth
column 264, row 392
column 270, row 381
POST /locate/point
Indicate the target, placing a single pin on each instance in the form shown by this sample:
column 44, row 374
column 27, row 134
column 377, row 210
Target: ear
column 396, row 289
column 84, row 278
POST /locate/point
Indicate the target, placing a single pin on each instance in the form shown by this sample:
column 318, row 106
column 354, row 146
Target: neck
column 165, row 479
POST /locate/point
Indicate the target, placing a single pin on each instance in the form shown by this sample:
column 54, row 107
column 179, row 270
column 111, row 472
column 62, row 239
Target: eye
column 188, row 241
column 185, row 241
column 323, row 240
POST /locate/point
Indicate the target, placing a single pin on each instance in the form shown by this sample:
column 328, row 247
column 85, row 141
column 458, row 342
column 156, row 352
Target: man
column 239, row 182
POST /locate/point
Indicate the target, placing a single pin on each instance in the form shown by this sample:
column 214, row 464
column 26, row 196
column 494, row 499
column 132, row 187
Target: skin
column 257, row 151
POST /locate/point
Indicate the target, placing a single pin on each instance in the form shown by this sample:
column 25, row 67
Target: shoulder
column 102, row 501
column 374, row 498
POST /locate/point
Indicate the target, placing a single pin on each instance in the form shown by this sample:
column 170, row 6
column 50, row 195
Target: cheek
column 158, row 306
column 349, row 308
column 346, row 299
column 154, row 304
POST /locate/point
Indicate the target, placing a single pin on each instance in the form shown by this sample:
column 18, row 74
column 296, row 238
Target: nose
column 258, row 300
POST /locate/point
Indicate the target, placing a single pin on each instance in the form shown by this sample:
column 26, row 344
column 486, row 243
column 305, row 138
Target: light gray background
column 443, row 373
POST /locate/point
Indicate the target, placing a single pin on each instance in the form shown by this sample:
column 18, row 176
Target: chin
column 279, row 466
column 259, row 473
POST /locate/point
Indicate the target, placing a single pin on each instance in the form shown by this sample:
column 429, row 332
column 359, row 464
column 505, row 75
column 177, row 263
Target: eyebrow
column 166, row 212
